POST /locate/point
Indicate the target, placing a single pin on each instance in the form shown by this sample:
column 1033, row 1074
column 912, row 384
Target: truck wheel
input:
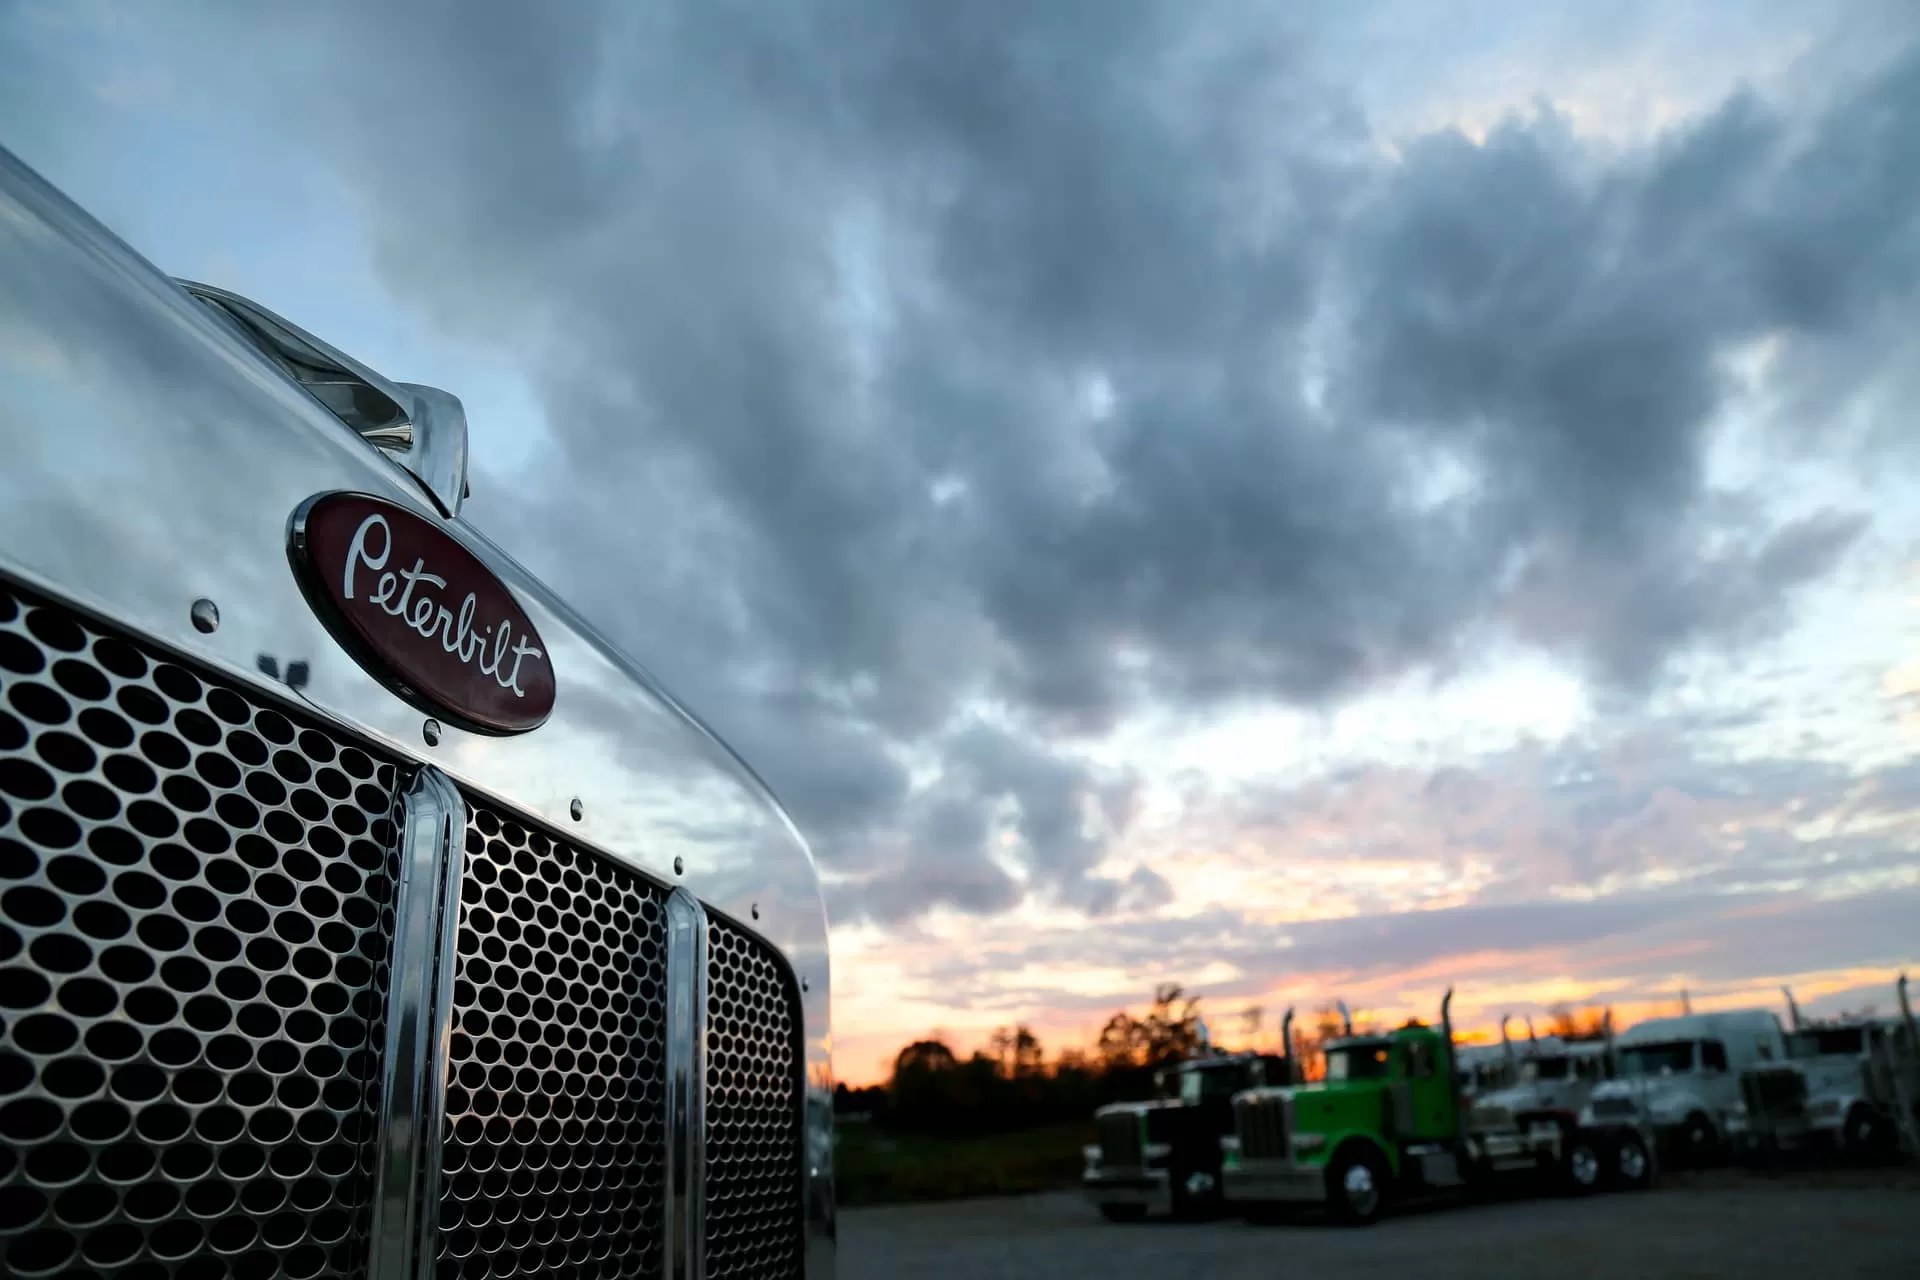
column 1583, row 1165
column 1632, row 1163
column 1357, row 1186
column 1124, row 1212
column 1699, row 1140
column 1867, row 1136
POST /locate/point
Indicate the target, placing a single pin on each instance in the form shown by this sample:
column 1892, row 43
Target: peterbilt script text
column 430, row 618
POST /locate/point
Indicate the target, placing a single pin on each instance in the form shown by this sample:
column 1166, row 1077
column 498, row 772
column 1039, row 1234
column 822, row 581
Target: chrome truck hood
column 153, row 459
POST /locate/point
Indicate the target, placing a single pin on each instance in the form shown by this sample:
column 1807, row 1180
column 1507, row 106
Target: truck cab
column 1681, row 1076
column 1388, row 1120
column 1384, row 1119
column 1163, row 1155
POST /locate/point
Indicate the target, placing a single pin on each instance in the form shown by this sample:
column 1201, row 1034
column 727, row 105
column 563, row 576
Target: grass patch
column 872, row 1166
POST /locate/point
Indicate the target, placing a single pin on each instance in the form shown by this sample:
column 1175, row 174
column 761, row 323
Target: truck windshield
column 1546, row 1069
column 1830, row 1040
column 1368, row 1061
column 1219, row 1082
column 1653, row 1059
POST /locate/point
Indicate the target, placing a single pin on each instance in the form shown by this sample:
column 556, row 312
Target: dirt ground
column 1728, row 1223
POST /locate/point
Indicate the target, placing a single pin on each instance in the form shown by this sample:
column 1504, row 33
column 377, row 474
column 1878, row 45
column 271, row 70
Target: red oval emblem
column 421, row 613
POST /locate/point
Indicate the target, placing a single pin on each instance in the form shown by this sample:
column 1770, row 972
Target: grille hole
column 239, row 984
column 56, row 1163
column 29, row 1120
column 298, row 1092
column 17, row 862
column 217, row 770
column 74, row 1078
column 218, row 1125
column 80, row 680
column 101, row 920
column 216, row 943
column 163, row 933
column 162, row 1123
column 16, row 1073
column 187, row 793
column 100, row 1121
column 173, row 862
column 139, row 1082
column 228, row 705
column 274, row 727
column 176, row 683
column 229, row 1053
column 184, row 973
column 250, row 1090
column 115, row 845
column 40, row 1251
column 91, row 800
column 32, row 906
column 246, row 748
column 126, row 964
column 151, row 1005
column 40, row 703
column 174, row 1047
column 88, row 998
column 113, row 1041
column 20, row 654
column 85, row 1205
column 243, row 1160
column 23, row 989
column 196, row 1086
column 210, row 1199
column 76, row 875
column 279, row 1057
column 187, row 1162
column 197, row 727
column 104, row 728
column 143, row 705
column 176, row 1239
column 44, row 1033
column 195, row 903
column 111, row 1246
column 25, row 779
column 119, row 657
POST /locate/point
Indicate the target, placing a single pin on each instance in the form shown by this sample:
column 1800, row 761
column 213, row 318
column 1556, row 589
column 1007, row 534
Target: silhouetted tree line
column 1010, row 1084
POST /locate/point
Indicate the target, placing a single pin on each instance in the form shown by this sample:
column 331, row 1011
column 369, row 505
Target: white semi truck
column 1681, row 1076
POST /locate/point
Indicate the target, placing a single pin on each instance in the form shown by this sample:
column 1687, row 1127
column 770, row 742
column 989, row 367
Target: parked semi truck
column 1163, row 1156
column 364, row 912
column 1681, row 1077
column 1388, row 1121
column 1849, row 1086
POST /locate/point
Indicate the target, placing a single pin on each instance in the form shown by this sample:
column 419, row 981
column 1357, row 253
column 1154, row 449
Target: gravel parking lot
column 1699, row 1226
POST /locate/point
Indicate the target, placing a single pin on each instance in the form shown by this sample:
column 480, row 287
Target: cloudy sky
column 1299, row 499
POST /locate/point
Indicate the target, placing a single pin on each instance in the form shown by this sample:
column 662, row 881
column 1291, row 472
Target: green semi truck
column 1388, row 1121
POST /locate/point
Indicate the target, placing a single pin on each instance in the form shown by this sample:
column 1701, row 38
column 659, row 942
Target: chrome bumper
column 1147, row 1187
column 1257, row 1180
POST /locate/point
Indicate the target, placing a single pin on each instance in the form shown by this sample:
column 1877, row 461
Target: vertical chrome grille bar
column 684, row 1231
column 413, row 1078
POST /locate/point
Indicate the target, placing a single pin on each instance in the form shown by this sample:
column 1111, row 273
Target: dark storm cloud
column 902, row 360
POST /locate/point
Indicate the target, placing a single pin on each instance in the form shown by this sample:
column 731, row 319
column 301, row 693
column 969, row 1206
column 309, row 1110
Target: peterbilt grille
column 192, row 886
column 1120, row 1140
column 753, row 1111
column 1261, row 1125
column 554, row 1145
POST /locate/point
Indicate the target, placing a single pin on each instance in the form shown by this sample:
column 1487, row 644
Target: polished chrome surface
column 191, row 884
column 178, row 454
column 683, row 1225
column 423, row 428
column 413, row 1068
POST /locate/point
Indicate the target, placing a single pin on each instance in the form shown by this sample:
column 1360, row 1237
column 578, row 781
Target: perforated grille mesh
column 753, row 1110
column 554, row 1143
column 192, row 888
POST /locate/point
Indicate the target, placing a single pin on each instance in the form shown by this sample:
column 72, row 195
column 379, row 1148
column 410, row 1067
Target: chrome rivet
column 577, row 809
column 803, row 985
column 756, row 911
column 679, row 866
column 431, row 732
column 206, row 616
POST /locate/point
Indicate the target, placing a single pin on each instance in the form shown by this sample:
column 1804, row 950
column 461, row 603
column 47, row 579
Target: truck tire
column 1584, row 1167
column 1357, row 1185
column 1867, row 1135
column 1124, row 1212
column 1699, row 1141
column 1631, row 1168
